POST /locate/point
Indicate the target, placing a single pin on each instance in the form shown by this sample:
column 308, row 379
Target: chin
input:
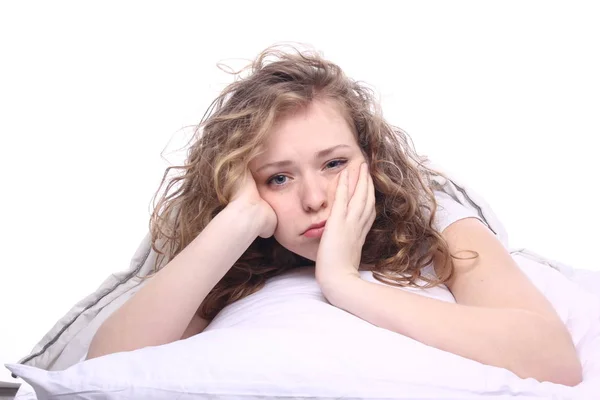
column 306, row 254
column 309, row 254
column 309, row 257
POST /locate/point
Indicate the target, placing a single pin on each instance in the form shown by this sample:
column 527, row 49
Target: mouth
column 315, row 230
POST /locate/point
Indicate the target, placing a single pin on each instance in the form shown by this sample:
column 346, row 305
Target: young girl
column 295, row 166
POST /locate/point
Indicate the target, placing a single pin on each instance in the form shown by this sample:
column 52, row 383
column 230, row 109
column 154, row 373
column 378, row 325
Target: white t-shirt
column 290, row 299
column 449, row 211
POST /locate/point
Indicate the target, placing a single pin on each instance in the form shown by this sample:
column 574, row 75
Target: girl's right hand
column 246, row 195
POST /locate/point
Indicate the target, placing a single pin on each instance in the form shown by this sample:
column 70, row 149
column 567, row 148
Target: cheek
column 282, row 207
column 353, row 174
column 285, row 231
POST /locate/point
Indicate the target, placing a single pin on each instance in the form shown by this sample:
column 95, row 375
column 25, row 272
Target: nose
column 314, row 193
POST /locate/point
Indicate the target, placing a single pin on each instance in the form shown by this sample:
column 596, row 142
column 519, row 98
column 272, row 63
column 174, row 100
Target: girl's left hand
column 340, row 249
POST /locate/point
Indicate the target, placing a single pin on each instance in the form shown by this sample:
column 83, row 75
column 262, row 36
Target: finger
column 340, row 200
column 359, row 198
column 370, row 205
column 371, row 221
column 370, row 210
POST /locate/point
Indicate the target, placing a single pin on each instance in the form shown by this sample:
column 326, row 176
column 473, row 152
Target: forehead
column 319, row 124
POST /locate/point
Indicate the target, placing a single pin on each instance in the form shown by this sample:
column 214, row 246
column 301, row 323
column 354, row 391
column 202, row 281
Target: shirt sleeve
column 449, row 211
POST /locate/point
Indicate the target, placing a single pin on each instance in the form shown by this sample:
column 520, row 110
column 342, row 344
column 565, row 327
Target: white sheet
column 589, row 280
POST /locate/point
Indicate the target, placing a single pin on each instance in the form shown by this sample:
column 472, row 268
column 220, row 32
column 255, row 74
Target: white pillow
column 286, row 341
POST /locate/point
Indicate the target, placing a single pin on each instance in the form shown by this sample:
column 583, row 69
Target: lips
column 315, row 226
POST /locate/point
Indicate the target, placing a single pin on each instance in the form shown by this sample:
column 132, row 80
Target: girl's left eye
column 336, row 163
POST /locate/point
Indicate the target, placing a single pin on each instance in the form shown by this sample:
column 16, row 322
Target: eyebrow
column 286, row 163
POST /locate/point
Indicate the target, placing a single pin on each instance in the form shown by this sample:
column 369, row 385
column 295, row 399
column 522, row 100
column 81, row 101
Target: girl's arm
column 500, row 318
column 164, row 310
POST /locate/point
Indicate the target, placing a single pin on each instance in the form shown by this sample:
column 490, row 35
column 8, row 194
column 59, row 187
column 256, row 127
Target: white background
column 504, row 94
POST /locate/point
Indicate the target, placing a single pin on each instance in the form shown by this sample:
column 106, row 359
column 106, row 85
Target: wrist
column 245, row 216
column 336, row 288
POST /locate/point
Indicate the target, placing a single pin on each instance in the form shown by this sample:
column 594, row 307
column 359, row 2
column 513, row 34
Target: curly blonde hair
column 402, row 239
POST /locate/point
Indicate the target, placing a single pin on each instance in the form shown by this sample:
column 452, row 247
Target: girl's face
column 297, row 174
